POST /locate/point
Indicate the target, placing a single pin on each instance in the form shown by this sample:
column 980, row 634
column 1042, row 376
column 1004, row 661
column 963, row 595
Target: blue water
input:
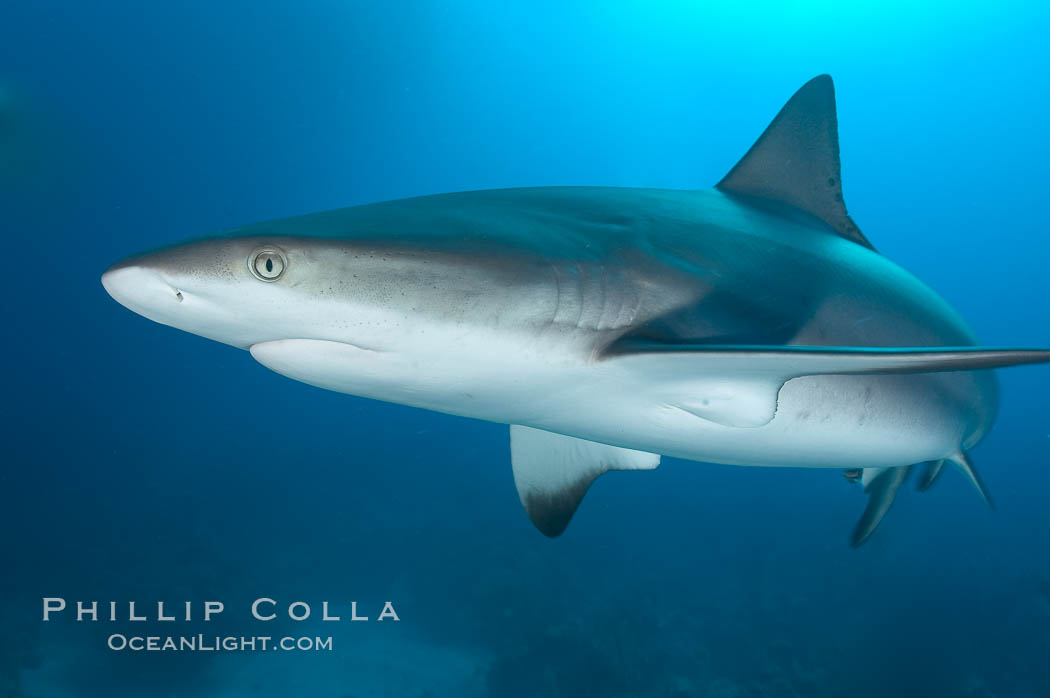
column 144, row 463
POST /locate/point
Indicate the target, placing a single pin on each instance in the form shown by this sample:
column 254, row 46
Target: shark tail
column 962, row 461
column 965, row 465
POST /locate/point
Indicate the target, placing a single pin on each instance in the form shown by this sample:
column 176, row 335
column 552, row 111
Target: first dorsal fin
column 796, row 160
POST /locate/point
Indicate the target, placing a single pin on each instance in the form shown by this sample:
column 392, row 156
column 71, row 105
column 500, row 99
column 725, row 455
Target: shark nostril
column 178, row 295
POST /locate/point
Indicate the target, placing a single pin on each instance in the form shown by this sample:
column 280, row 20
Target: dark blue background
column 141, row 462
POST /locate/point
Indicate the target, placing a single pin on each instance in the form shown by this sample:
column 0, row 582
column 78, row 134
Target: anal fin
column 552, row 472
column 930, row 473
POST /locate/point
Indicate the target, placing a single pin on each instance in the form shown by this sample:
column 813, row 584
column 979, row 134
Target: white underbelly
column 819, row 421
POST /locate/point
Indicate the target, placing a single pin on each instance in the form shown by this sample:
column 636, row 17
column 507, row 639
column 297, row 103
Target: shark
column 748, row 324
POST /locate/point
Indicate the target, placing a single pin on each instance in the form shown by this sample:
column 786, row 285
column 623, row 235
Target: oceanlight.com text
column 216, row 643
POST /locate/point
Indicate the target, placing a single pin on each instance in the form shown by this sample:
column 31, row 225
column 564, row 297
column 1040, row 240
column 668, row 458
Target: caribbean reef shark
column 748, row 324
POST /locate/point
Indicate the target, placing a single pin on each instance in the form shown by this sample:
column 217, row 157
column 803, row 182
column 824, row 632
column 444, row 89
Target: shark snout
column 192, row 294
column 141, row 290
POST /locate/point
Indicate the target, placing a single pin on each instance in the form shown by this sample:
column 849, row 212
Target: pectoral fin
column 786, row 362
column 867, row 475
column 743, row 403
column 553, row 472
column 737, row 386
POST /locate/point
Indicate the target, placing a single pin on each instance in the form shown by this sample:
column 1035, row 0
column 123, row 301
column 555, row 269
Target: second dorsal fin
column 796, row 160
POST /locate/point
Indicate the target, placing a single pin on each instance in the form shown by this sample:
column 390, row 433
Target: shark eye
column 267, row 263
